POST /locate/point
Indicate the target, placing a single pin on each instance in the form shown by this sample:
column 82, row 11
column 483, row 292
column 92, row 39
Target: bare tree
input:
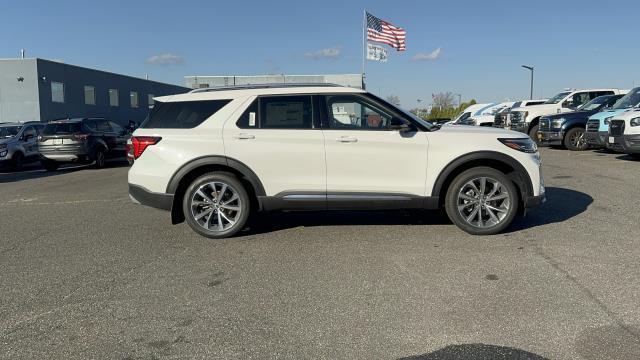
column 443, row 100
column 394, row 99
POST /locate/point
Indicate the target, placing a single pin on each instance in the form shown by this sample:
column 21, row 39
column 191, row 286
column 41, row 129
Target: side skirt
column 346, row 201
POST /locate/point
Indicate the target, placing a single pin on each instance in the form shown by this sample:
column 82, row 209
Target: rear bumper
column 142, row 196
column 598, row 138
column 629, row 144
column 550, row 138
column 64, row 153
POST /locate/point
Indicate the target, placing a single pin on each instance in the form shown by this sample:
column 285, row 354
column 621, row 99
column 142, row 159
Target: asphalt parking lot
column 84, row 273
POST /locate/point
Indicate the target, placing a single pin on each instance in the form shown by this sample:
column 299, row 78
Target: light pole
column 530, row 68
column 459, row 99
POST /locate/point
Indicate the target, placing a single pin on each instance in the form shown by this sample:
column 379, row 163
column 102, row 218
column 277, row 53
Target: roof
column 219, row 93
column 20, row 123
column 74, row 120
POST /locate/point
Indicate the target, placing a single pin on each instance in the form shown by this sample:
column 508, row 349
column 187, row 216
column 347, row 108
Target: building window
column 134, row 99
column 150, row 99
column 89, row 95
column 57, row 92
column 113, row 97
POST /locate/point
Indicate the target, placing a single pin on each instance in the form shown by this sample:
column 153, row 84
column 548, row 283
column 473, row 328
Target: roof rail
column 263, row 86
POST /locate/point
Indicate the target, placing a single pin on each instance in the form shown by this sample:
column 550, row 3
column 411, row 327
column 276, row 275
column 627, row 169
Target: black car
column 568, row 129
column 81, row 140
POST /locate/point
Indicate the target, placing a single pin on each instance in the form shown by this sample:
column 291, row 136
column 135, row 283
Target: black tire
column 50, row 165
column 233, row 186
column 99, row 158
column 460, row 182
column 574, row 140
column 17, row 161
column 533, row 134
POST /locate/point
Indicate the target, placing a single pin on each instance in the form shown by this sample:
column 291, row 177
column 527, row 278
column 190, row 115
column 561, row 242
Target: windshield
column 9, row 131
column 628, row 101
column 556, row 99
column 419, row 120
column 61, row 128
column 595, row 103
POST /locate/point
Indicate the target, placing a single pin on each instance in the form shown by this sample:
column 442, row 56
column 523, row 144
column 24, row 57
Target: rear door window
column 103, row 126
column 181, row 114
column 286, row 112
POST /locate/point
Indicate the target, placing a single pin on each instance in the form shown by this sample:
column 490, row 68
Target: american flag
column 381, row 31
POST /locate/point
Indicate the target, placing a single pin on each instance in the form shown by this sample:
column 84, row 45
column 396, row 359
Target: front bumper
column 142, row 196
column 550, row 138
column 598, row 139
column 629, row 144
column 520, row 127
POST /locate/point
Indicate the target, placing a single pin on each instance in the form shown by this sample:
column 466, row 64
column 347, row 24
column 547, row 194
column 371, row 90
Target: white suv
column 214, row 156
column 624, row 133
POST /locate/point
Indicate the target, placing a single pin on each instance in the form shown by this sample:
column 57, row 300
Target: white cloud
column 165, row 59
column 328, row 53
column 434, row 55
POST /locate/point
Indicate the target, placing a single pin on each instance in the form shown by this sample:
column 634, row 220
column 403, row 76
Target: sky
column 472, row 48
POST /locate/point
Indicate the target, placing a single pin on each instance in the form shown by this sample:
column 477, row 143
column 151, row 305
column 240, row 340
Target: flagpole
column 364, row 44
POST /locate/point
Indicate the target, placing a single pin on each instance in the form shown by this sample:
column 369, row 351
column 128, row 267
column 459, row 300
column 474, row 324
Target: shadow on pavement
column 34, row 171
column 274, row 221
column 562, row 204
column 477, row 352
column 628, row 157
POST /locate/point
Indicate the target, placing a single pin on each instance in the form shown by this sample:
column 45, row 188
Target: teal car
column 597, row 129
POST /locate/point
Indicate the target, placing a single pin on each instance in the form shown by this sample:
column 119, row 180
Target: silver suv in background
column 19, row 143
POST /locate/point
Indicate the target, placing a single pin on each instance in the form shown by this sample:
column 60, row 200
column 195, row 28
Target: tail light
column 140, row 144
column 81, row 137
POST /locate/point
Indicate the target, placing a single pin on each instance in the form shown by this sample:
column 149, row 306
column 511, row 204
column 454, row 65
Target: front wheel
column 533, row 134
column 574, row 140
column 216, row 205
column 482, row 201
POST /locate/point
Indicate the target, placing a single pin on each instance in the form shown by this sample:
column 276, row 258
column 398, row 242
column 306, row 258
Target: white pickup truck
column 525, row 119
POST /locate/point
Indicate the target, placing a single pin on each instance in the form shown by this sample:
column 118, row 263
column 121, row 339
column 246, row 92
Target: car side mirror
column 399, row 125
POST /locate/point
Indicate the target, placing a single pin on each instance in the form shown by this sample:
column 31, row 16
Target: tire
column 533, row 134
column 204, row 212
column 99, row 158
column 460, row 194
column 50, row 165
column 17, row 161
column 574, row 140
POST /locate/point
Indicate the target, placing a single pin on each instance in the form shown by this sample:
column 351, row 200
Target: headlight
column 606, row 120
column 635, row 121
column 556, row 124
column 525, row 145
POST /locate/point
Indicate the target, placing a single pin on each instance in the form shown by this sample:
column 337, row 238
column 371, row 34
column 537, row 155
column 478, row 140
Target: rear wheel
column 216, row 205
column 50, row 165
column 482, row 201
column 17, row 161
column 533, row 134
column 574, row 140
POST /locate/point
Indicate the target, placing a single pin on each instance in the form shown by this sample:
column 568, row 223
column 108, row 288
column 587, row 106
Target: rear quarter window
column 181, row 114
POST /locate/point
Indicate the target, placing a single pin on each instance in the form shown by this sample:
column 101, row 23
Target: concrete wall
column 351, row 80
column 75, row 78
column 18, row 99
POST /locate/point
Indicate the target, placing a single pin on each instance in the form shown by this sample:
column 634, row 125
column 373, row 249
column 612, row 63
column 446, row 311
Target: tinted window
column 517, row 105
column 29, row 132
column 57, row 92
column 89, row 95
column 103, row 126
column 286, row 112
column 9, row 131
column 61, row 128
column 351, row 112
column 182, row 114
column 115, row 127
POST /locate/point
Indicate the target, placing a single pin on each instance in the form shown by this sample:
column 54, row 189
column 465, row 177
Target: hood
column 573, row 114
column 542, row 108
column 6, row 141
column 605, row 114
column 487, row 130
column 629, row 114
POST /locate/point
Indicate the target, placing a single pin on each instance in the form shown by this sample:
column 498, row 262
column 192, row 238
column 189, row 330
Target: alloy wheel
column 483, row 202
column 216, row 206
column 578, row 140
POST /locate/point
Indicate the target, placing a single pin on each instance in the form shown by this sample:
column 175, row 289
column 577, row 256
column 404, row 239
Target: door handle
column 244, row 136
column 347, row 139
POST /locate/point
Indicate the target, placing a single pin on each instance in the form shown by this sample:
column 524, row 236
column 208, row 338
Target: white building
column 197, row 82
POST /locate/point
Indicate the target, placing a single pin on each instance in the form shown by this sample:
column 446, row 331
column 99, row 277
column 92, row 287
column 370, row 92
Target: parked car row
column 78, row 140
column 573, row 119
